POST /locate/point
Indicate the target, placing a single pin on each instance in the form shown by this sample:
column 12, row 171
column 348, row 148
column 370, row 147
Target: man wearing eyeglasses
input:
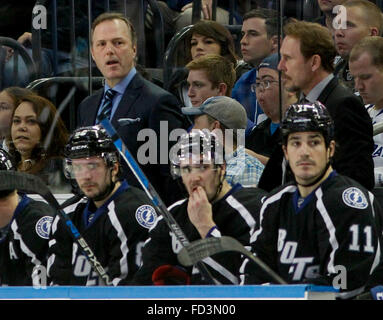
column 212, row 208
column 114, row 219
column 264, row 138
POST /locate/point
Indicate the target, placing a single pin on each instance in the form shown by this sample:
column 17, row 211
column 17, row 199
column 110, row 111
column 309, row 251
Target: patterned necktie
column 106, row 108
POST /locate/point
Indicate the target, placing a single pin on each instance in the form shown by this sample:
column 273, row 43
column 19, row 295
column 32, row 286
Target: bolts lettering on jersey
column 300, row 267
column 281, row 239
column 288, row 253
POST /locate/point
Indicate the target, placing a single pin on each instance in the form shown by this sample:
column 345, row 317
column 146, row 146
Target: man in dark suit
column 130, row 101
column 307, row 55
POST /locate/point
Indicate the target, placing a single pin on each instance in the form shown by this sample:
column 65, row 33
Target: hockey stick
column 31, row 184
column 151, row 193
column 201, row 249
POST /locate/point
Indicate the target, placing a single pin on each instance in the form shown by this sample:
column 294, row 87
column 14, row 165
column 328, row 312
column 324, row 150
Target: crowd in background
column 238, row 90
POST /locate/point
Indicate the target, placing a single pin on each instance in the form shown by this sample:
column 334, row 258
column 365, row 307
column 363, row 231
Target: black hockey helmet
column 86, row 142
column 6, row 161
column 199, row 146
column 308, row 117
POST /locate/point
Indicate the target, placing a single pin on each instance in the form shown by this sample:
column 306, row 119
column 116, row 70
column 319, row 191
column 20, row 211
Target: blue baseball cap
column 270, row 62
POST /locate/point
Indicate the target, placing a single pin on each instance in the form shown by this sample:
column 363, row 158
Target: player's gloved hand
column 170, row 275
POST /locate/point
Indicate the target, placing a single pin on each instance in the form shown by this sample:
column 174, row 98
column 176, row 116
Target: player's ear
column 114, row 170
column 284, row 148
column 331, row 148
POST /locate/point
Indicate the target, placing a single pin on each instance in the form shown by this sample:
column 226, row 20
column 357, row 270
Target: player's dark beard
column 320, row 176
column 107, row 191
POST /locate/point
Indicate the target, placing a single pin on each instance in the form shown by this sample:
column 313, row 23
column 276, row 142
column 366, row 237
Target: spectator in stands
column 265, row 137
column 114, row 219
column 307, row 55
column 24, row 234
column 259, row 39
column 308, row 228
column 204, row 37
column 366, row 67
column 38, row 136
column 226, row 117
column 212, row 208
column 327, row 7
column 364, row 19
column 209, row 75
column 9, row 99
column 131, row 102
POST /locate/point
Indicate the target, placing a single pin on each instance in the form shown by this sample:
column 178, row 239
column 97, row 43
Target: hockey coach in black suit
column 130, row 101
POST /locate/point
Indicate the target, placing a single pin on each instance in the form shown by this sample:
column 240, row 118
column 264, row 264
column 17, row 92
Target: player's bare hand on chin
column 200, row 212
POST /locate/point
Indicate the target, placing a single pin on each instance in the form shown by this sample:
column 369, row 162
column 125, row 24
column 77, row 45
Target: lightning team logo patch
column 43, row 227
column 354, row 197
column 146, row 216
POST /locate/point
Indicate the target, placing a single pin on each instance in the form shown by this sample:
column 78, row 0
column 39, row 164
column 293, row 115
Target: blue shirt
column 120, row 89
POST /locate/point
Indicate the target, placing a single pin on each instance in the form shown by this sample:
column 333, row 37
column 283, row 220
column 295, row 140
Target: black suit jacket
column 353, row 133
column 353, row 136
column 151, row 104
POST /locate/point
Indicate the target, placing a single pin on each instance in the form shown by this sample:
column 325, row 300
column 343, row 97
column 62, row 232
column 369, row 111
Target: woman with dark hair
column 38, row 136
column 208, row 36
column 204, row 37
column 9, row 98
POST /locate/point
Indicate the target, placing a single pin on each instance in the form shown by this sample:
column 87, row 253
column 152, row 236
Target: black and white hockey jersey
column 115, row 232
column 329, row 238
column 24, row 243
column 235, row 215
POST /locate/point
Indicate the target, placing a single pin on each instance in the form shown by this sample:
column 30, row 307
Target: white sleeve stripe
column 24, row 248
column 371, row 196
column 179, row 202
column 124, row 240
column 330, row 228
column 245, row 214
column 51, row 242
column 54, row 224
column 50, row 262
column 377, row 253
column 268, row 201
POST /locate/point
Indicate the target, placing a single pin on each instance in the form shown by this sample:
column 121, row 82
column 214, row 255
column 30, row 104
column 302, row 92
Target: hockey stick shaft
column 151, row 192
column 31, row 184
column 201, row 249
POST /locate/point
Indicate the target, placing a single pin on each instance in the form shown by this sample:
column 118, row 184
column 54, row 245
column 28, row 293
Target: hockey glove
column 170, row 275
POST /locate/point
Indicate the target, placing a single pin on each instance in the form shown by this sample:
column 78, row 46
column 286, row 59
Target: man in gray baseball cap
column 227, row 118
